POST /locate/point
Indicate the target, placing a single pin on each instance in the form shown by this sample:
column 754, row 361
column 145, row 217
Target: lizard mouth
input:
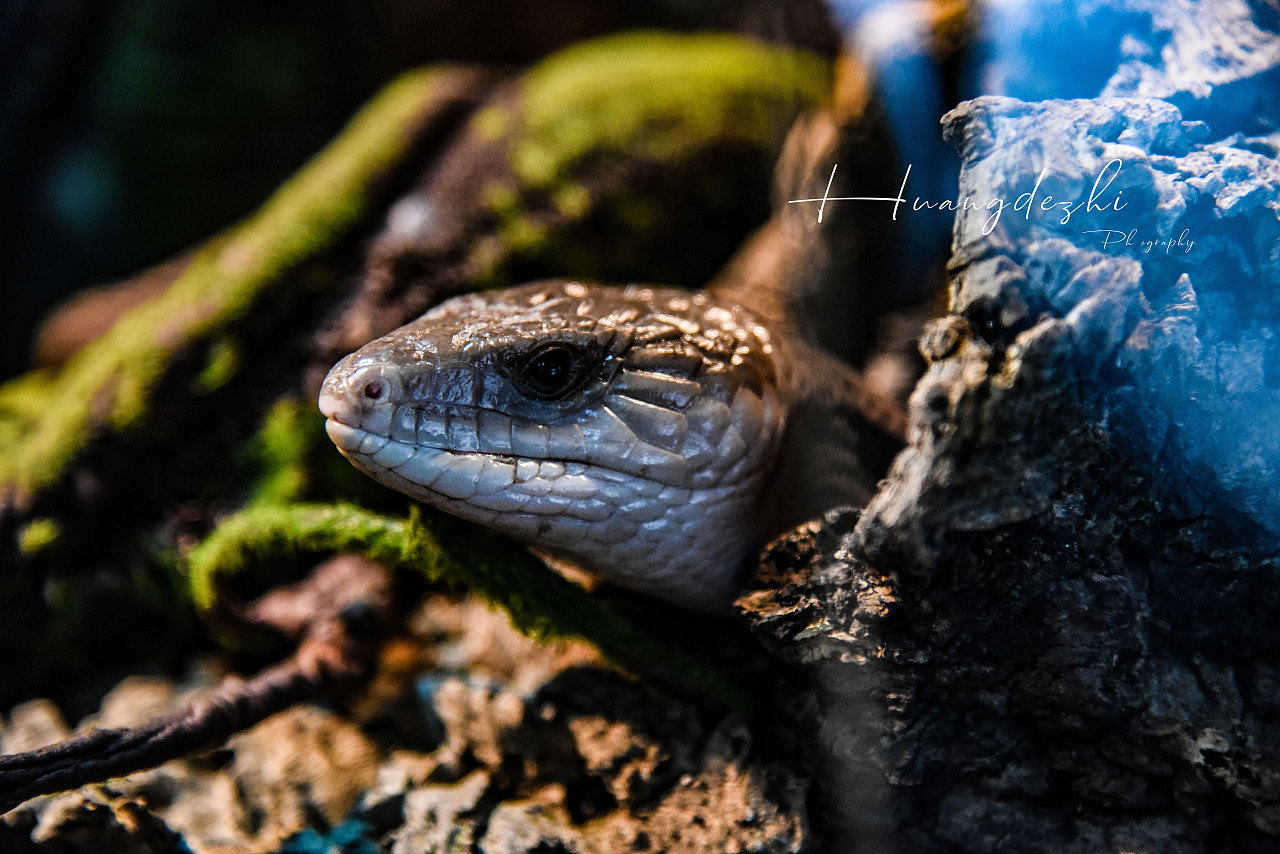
column 496, row 483
column 352, row 440
column 356, row 441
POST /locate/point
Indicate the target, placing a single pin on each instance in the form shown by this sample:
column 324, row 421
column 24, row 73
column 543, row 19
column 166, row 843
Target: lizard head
column 627, row 430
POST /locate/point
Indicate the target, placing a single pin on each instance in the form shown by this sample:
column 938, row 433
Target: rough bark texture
column 1051, row 629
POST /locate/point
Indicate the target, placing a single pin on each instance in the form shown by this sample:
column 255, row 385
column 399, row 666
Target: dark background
column 131, row 130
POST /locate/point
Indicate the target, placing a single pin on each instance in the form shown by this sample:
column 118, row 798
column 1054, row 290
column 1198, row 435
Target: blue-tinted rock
column 1160, row 257
column 1067, row 637
column 1043, row 49
column 1216, row 61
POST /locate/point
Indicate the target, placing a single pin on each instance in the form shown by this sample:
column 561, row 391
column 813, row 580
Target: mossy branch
column 638, row 96
column 541, row 603
column 658, row 95
column 107, row 386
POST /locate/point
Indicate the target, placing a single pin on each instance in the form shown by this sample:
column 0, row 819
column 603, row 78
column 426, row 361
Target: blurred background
column 130, row 131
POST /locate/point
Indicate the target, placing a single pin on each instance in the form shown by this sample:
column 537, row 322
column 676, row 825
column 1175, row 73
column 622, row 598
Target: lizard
column 651, row 436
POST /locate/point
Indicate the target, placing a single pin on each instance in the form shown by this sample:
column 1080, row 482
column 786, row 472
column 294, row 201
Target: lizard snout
column 361, row 396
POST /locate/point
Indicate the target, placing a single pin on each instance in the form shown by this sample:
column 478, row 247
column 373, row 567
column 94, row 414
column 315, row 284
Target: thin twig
column 338, row 648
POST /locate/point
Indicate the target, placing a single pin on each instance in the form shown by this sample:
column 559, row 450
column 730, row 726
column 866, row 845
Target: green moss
column 651, row 98
column 108, row 384
column 23, row 402
column 502, row 199
column 492, row 122
column 25, row 397
column 656, row 95
column 572, row 201
column 37, row 535
column 290, row 458
column 540, row 602
column 220, row 367
column 281, row 449
column 523, row 235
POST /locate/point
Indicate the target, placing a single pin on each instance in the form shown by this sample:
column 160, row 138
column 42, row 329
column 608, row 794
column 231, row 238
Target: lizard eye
column 551, row 371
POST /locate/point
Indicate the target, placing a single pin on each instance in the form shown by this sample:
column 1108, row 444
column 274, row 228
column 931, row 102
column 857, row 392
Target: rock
column 32, row 725
column 1037, row 636
column 15, row 832
column 530, row 828
column 818, row 607
column 730, row 803
column 630, row 762
column 382, row 805
column 85, row 824
column 544, row 749
column 475, row 716
column 1219, row 63
column 1043, row 631
column 299, row 766
column 1216, row 62
column 196, row 801
column 584, row 761
column 296, row 768
column 469, row 636
column 442, row 818
column 810, row 607
column 181, row 796
column 1165, row 296
column 633, row 748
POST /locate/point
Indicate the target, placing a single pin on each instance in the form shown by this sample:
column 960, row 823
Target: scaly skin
column 632, row 431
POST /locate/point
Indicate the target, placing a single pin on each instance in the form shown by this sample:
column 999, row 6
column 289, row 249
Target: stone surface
column 442, row 818
column 1218, row 63
column 32, row 725
column 729, row 804
column 1168, row 298
column 519, row 828
column 578, row 760
column 1214, row 60
column 1050, row 630
column 299, row 767
column 125, row 826
column 539, row 749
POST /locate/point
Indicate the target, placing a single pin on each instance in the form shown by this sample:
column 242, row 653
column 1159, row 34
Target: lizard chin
column 638, row 534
